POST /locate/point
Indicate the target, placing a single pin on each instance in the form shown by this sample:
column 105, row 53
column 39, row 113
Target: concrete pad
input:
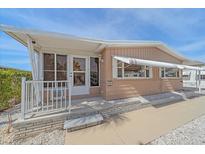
column 141, row 126
column 86, row 120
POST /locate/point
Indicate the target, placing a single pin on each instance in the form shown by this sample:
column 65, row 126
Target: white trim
column 160, row 75
column 115, row 72
column 100, row 47
column 55, row 67
column 30, row 51
column 114, row 68
column 88, row 71
column 45, row 33
column 133, row 78
column 131, row 60
column 84, row 89
column 99, row 73
column 41, row 62
column 151, row 73
column 69, row 51
column 68, row 68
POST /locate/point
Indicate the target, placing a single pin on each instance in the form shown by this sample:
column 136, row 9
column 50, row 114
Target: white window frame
column 197, row 77
column 115, row 72
column 84, row 72
column 98, row 72
column 55, row 65
column 163, row 68
column 188, row 78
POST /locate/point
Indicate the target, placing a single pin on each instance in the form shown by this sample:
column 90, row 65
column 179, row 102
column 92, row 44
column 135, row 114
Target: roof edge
column 106, row 43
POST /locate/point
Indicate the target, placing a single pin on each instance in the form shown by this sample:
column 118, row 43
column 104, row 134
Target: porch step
column 83, row 122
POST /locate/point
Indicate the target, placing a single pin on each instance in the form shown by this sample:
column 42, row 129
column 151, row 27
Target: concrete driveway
column 141, row 126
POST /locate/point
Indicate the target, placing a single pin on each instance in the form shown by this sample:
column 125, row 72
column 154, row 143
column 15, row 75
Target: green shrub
column 10, row 86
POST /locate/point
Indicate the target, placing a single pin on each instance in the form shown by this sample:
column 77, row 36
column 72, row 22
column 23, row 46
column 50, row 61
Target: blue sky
column 181, row 29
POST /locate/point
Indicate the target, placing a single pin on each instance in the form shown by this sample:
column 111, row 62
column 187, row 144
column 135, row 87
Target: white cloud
column 194, row 46
column 106, row 28
column 177, row 26
column 176, row 23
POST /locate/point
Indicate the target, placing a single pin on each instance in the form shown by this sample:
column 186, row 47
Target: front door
column 79, row 70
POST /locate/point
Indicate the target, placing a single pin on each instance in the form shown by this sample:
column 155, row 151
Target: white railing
column 44, row 97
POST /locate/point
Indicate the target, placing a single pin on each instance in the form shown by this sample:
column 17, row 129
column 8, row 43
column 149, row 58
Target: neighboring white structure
column 191, row 78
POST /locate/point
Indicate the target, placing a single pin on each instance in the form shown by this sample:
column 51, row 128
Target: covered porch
column 94, row 105
column 48, row 97
column 62, row 69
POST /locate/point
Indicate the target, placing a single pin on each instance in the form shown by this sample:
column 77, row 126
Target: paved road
column 141, row 126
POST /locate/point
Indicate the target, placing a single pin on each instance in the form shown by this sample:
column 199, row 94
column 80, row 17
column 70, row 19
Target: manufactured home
column 66, row 67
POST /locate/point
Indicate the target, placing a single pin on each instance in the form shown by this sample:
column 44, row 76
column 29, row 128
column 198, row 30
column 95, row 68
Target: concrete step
column 174, row 98
column 83, row 122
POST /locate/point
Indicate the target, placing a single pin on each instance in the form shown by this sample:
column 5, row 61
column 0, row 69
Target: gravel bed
column 5, row 137
column 14, row 112
column 188, row 134
column 55, row 137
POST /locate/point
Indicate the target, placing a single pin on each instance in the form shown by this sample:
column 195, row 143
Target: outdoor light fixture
column 34, row 42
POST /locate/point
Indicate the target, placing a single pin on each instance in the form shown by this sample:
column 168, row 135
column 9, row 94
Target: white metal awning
column 43, row 41
column 51, row 40
column 136, row 61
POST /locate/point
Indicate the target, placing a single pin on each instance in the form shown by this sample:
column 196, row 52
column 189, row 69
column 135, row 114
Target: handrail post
column 23, row 81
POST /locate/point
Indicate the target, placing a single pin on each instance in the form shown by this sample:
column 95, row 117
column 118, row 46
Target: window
column 119, row 69
column 94, row 71
column 202, row 77
column 55, row 67
column 61, row 61
column 125, row 70
column 79, row 71
column 170, row 73
column 186, row 76
column 49, row 67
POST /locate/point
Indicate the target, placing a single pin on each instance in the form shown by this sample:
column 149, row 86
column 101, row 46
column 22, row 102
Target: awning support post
column 35, row 67
column 199, row 77
column 196, row 82
column 23, row 84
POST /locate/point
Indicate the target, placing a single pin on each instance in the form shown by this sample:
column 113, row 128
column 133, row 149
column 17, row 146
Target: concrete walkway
column 141, row 126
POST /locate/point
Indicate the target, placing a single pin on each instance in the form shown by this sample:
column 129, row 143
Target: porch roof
column 129, row 60
column 43, row 41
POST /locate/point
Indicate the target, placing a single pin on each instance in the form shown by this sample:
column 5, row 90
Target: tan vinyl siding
column 103, row 74
column 95, row 91
column 122, row 88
